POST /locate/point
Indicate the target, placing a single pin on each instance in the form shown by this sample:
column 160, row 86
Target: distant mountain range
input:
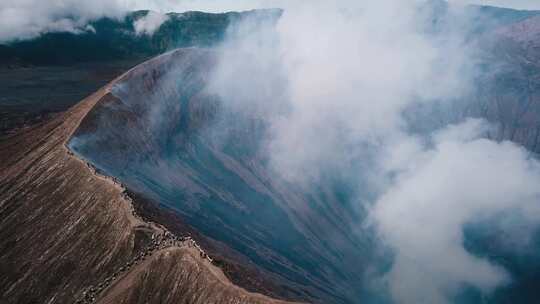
column 52, row 72
column 116, row 39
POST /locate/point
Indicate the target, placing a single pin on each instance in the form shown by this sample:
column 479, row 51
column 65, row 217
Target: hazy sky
column 227, row 5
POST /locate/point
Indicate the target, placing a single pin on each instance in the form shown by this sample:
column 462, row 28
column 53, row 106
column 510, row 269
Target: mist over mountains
column 381, row 152
column 133, row 36
column 349, row 148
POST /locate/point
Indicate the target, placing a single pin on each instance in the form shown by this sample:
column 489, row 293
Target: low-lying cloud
column 24, row 19
column 149, row 23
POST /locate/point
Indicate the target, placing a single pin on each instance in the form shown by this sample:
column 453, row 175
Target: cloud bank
column 149, row 23
column 333, row 80
column 24, row 19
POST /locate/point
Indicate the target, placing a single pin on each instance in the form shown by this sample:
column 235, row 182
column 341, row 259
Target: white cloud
column 333, row 81
column 150, row 23
column 349, row 73
column 461, row 179
column 23, row 19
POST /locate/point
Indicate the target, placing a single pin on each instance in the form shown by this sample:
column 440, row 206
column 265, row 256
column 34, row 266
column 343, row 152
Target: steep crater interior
column 163, row 134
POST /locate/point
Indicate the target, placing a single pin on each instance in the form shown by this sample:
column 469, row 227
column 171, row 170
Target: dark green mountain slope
column 115, row 39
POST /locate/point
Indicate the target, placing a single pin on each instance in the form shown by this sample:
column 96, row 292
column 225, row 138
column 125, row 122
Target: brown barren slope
column 67, row 232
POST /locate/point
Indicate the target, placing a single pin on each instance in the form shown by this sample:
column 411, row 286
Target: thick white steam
column 438, row 190
column 333, row 80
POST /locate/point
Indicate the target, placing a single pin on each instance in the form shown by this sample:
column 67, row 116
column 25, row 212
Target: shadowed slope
column 164, row 135
column 64, row 228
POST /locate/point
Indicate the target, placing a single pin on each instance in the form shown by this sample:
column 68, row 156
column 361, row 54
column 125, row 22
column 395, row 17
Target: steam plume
column 334, row 80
